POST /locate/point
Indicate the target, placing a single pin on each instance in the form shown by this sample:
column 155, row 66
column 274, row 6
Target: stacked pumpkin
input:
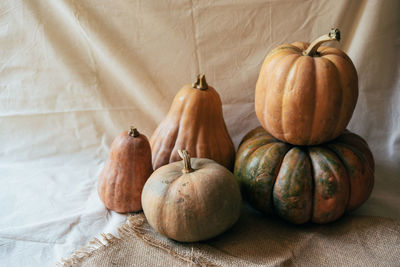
column 302, row 164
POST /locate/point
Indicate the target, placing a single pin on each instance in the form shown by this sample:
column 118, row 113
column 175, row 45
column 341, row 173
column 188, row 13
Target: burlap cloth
column 254, row 241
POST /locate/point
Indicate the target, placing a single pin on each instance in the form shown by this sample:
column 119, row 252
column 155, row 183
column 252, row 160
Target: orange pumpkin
column 128, row 167
column 306, row 93
column 194, row 122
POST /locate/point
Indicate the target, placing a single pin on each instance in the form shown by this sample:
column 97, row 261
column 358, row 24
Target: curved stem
column 201, row 82
column 333, row 35
column 133, row 132
column 187, row 167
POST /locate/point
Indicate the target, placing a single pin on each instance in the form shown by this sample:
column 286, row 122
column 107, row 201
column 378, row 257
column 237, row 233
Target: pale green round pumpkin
column 191, row 200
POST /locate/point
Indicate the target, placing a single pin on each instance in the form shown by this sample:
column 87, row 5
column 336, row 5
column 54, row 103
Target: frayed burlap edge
column 133, row 227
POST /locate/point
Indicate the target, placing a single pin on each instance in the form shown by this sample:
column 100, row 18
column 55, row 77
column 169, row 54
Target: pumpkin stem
column 333, row 35
column 133, row 132
column 186, row 161
column 201, row 82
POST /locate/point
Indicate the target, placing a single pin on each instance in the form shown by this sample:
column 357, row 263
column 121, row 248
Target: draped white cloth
column 74, row 74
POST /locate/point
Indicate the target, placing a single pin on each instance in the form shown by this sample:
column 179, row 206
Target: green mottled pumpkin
column 304, row 183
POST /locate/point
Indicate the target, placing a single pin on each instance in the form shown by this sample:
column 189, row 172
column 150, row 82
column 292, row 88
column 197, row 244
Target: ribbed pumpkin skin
column 194, row 122
column 306, row 100
column 301, row 184
column 194, row 206
column 127, row 169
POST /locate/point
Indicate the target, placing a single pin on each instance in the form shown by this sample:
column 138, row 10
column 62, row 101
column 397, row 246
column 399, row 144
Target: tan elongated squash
column 194, row 122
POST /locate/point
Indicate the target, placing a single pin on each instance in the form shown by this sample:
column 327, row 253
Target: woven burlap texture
column 255, row 240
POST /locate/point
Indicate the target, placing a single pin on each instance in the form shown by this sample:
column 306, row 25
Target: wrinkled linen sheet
column 74, row 74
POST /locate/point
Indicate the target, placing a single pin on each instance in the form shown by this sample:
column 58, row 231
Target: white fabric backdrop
column 74, row 74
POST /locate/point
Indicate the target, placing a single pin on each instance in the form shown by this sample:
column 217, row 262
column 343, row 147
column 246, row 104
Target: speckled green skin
column 301, row 184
